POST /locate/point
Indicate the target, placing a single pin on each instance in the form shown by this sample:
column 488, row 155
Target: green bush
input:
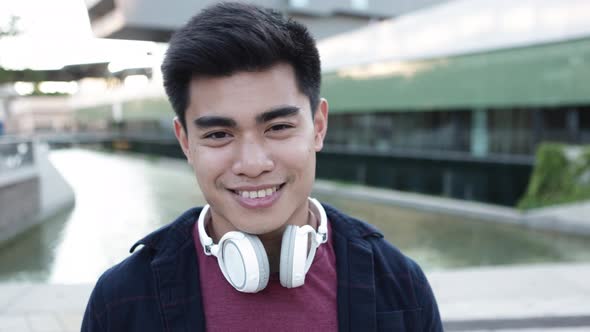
column 556, row 179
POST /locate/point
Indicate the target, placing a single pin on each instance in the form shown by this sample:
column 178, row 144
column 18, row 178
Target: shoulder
column 398, row 270
column 359, row 232
column 134, row 272
column 130, row 284
column 131, row 276
column 119, row 292
column 399, row 280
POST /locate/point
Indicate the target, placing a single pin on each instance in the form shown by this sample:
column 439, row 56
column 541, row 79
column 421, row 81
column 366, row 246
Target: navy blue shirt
column 158, row 289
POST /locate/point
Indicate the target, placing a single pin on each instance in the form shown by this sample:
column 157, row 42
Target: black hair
column 230, row 37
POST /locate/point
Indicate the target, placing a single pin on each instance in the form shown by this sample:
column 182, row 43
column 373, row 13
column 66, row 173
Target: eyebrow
column 210, row 121
column 278, row 112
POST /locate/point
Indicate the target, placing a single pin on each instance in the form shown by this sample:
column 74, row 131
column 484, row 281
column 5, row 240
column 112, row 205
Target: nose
column 253, row 159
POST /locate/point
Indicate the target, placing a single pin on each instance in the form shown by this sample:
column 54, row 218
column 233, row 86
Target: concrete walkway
column 514, row 297
column 547, row 297
column 569, row 218
column 42, row 307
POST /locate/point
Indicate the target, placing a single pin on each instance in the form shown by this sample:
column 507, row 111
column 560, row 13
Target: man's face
column 252, row 143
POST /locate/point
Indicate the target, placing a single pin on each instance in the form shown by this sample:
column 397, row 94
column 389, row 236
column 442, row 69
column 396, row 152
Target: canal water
column 122, row 197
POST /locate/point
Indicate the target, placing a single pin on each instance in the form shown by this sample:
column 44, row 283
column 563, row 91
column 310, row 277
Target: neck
column 271, row 241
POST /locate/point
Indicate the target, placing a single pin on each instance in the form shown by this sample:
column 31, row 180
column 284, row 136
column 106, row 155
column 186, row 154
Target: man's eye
column 279, row 127
column 217, row 135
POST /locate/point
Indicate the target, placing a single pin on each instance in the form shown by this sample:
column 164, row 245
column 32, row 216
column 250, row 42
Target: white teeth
column 259, row 193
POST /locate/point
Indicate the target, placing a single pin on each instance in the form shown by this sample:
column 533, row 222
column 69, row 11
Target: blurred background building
column 447, row 98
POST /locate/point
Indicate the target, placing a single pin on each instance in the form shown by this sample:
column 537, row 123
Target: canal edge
column 567, row 218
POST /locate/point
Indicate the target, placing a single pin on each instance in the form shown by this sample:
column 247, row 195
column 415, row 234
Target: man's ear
column 182, row 138
column 320, row 124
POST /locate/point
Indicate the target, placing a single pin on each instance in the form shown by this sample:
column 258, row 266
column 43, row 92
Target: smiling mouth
column 261, row 193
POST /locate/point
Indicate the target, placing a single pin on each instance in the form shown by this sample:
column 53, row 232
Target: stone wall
column 19, row 205
column 30, row 195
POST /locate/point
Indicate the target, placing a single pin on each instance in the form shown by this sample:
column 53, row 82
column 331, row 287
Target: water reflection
column 121, row 197
column 440, row 241
column 29, row 257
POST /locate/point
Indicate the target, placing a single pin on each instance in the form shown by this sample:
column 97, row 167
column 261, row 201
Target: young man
column 244, row 83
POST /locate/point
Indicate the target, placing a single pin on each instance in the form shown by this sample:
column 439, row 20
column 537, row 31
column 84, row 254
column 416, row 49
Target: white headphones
column 243, row 261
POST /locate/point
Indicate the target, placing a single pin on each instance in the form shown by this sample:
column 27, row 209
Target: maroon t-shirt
column 311, row 307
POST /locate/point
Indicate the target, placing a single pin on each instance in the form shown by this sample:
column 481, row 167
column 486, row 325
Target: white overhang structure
column 155, row 20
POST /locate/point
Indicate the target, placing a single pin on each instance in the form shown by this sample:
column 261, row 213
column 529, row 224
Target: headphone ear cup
column 243, row 261
column 262, row 258
column 294, row 251
column 287, row 253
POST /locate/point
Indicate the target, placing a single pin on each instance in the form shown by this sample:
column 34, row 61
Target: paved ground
column 515, row 297
column 42, row 307
column 548, row 297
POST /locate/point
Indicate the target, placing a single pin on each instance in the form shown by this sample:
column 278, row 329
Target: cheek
column 298, row 155
column 209, row 164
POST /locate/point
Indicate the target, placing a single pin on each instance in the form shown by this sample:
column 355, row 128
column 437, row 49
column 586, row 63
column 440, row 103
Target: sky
column 57, row 33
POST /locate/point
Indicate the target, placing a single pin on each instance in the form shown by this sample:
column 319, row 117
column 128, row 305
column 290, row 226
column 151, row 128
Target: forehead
column 245, row 92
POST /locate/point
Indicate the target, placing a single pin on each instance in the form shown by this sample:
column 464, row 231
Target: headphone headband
column 211, row 249
column 206, row 241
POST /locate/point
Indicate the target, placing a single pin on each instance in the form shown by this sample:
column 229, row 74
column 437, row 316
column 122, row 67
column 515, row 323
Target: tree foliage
column 558, row 178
